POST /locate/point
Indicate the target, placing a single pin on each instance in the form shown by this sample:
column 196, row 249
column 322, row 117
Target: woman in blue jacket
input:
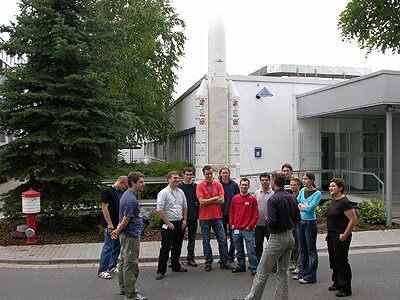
column 307, row 229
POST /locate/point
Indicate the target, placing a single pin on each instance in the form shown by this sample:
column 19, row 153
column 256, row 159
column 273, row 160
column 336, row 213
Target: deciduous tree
column 375, row 24
column 148, row 46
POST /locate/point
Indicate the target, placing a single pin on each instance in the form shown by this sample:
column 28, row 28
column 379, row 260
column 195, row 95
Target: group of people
column 283, row 211
column 122, row 222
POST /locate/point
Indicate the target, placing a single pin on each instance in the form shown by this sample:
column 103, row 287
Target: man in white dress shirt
column 172, row 208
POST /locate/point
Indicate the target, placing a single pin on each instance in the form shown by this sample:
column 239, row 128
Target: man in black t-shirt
column 189, row 188
column 287, row 169
column 110, row 197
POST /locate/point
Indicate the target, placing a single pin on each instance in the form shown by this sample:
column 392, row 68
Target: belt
column 176, row 221
column 307, row 221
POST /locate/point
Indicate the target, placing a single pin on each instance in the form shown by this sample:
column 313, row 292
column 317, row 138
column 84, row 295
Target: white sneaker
column 104, row 275
column 295, row 271
column 291, row 268
column 114, row 270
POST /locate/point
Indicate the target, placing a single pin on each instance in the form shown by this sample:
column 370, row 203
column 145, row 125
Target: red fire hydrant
column 31, row 206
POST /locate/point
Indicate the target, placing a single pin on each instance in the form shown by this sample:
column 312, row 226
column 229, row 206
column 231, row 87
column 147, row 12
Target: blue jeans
column 192, row 233
column 248, row 237
column 110, row 253
column 307, row 235
column 219, row 231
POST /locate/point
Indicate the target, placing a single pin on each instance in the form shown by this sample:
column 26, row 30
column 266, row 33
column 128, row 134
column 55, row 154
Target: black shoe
column 207, row 268
column 238, row 270
column 332, row 288
column 227, row 267
column 342, row 294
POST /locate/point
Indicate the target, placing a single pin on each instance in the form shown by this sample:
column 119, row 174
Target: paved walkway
column 90, row 253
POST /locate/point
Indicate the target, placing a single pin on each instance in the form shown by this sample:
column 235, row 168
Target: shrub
column 101, row 230
column 153, row 169
column 321, row 209
column 156, row 219
column 371, row 212
column 360, row 223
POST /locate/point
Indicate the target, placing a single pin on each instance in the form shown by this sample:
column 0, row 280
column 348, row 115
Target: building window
column 155, row 150
column 184, row 145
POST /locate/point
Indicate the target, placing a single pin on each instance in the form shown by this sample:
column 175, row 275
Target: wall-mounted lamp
column 264, row 93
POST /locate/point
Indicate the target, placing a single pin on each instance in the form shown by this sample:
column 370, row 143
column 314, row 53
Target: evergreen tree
column 66, row 124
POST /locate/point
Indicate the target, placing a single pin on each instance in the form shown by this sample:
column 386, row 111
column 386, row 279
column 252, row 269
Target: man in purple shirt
column 283, row 214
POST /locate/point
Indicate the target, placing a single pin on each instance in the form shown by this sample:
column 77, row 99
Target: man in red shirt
column 243, row 217
column 211, row 195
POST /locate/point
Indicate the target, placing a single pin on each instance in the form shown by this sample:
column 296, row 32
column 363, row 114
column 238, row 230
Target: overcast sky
column 263, row 32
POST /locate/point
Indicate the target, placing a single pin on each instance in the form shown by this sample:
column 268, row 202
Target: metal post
column 389, row 160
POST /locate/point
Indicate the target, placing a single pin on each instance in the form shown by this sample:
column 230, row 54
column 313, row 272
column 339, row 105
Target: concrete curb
column 60, row 261
column 89, row 253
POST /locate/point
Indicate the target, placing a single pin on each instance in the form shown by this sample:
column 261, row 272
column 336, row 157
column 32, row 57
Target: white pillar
column 389, row 161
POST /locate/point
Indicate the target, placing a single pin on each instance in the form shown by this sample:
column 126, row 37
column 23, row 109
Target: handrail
column 296, row 171
column 148, row 180
column 321, row 171
column 371, row 174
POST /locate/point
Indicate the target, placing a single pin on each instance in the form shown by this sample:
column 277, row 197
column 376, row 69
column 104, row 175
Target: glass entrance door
column 373, row 144
column 327, row 157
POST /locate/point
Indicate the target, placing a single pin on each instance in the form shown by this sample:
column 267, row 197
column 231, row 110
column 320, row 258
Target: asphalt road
column 376, row 275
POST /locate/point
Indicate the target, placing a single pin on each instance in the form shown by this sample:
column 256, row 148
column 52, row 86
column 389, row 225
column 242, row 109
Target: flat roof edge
column 255, row 79
column 350, row 81
column 327, row 113
column 283, row 79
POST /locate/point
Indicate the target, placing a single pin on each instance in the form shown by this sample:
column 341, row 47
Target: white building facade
column 304, row 123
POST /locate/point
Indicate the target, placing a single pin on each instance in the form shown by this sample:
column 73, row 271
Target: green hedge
column 153, row 169
column 321, row 209
column 371, row 212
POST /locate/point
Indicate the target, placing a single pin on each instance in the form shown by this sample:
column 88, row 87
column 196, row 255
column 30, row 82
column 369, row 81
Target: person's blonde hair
column 219, row 173
column 297, row 180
